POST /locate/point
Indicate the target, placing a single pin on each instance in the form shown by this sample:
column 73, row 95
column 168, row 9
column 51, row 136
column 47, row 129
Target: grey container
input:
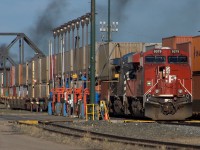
column 106, row 52
column 59, row 63
column 42, row 70
column 48, row 68
column 1, row 79
column 17, row 75
column 30, row 72
column 30, row 91
column 67, row 62
column 36, row 70
column 44, row 89
column 55, row 66
column 72, row 60
column 24, row 74
column 12, row 76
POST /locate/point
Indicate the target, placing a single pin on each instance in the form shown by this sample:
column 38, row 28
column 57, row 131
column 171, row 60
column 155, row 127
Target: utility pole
column 92, row 54
column 109, row 21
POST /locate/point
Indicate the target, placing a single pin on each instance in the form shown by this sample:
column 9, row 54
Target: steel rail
column 182, row 123
column 119, row 139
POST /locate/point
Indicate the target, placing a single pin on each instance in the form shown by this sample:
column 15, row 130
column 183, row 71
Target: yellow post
column 86, row 113
column 93, row 111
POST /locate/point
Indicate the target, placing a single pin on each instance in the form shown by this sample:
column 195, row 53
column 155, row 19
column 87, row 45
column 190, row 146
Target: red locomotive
column 156, row 84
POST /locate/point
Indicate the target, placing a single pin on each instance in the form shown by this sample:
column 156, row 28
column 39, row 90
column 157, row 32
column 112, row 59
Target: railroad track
column 75, row 132
column 195, row 123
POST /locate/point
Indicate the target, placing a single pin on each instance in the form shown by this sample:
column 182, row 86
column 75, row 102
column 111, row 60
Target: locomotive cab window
column 177, row 59
column 182, row 59
column 155, row 59
column 150, row 59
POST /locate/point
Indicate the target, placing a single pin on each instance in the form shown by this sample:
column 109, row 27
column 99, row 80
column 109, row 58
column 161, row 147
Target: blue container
column 58, row 108
column 97, row 98
column 67, row 83
column 83, row 78
column 64, row 110
column 49, row 108
column 82, row 110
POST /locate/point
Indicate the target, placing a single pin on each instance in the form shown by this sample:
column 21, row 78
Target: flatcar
column 156, row 84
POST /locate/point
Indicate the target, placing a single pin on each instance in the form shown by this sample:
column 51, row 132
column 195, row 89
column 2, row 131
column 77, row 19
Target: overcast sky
column 139, row 20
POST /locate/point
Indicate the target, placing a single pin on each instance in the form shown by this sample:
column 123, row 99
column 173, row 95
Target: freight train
column 156, row 84
column 133, row 81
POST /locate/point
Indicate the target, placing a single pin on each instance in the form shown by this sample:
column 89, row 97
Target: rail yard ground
column 13, row 136
column 17, row 136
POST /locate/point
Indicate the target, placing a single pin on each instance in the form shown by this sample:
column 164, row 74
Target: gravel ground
column 7, row 115
column 153, row 131
column 85, row 142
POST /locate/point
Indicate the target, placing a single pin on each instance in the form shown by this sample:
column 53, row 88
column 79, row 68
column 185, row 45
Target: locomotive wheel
column 118, row 107
column 136, row 108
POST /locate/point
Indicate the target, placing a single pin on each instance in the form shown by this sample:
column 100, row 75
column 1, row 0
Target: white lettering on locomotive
column 168, row 70
column 175, row 51
column 157, row 51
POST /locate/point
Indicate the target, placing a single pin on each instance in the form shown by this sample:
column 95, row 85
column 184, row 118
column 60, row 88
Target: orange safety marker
column 105, row 116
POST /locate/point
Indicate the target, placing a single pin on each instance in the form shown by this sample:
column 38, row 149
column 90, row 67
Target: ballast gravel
column 151, row 131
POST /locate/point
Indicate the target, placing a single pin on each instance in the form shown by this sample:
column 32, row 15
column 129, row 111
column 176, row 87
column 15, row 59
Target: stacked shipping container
column 174, row 40
column 196, row 54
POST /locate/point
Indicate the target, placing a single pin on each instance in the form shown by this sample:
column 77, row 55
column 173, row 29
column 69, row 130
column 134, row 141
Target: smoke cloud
column 118, row 9
column 3, row 49
column 40, row 33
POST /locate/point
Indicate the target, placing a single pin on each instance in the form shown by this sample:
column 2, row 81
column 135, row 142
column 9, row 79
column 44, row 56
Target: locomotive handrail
column 157, row 83
column 152, row 87
column 185, row 87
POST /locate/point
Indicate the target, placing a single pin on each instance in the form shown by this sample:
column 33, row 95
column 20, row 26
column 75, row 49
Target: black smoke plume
column 41, row 31
column 118, row 9
column 3, row 50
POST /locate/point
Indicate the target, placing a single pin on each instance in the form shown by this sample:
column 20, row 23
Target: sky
column 139, row 20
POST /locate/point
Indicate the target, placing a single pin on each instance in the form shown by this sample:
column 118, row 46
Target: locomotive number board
column 157, row 51
column 175, row 51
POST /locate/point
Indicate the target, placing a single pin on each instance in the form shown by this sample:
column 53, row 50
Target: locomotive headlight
column 148, row 83
column 180, row 91
column 157, row 91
